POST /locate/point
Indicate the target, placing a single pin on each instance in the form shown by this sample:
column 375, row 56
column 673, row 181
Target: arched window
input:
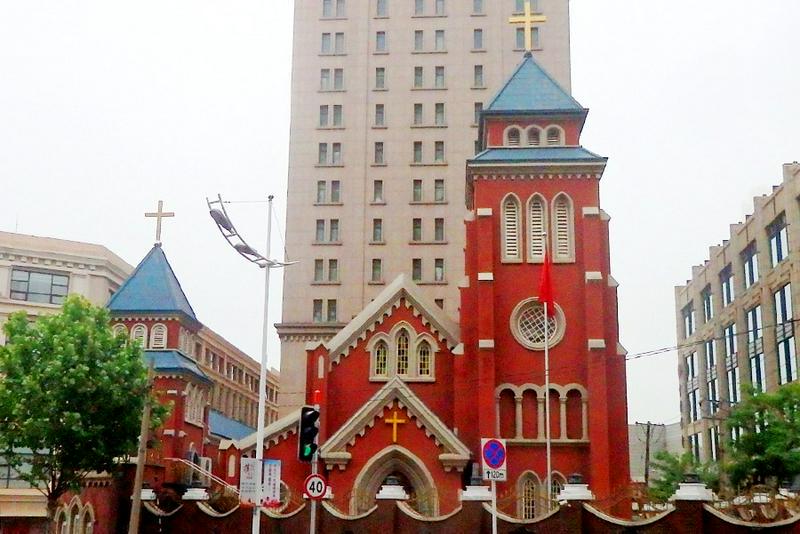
column 537, row 227
column 527, row 489
column 62, row 524
column 424, row 359
column 74, row 513
column 381, row 359
column 158, row 336
column 554, row 136
column 86, row 525
column 534, row 136
column 513, row 137
column 563, row 229
column 557, row 482
column 139, row 333
column 511, row 228
column 231, row 466
column 119, row 328
column 402, row 353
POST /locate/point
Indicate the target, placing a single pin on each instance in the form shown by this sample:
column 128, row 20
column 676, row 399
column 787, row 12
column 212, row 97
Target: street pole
column 647, row 455
column 312, row 524
column 494, row 507
column 141, row 458
column 262, row 386
column 547, row 402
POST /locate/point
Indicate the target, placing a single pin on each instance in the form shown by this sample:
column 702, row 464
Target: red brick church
column 408, row 394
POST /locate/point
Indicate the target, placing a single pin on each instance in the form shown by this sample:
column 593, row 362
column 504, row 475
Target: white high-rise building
column 385, row 97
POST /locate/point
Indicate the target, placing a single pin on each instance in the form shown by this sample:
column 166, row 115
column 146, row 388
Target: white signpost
column 493, row 462
column 271, row 481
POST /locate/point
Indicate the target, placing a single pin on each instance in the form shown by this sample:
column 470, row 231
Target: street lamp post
column 219, row 214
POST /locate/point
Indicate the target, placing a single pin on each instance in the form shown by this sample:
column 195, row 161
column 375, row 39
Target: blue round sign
column 494, row 454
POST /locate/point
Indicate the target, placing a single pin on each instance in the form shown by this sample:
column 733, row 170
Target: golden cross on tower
column 160, row 214
column 394, row 421
column 528, row 19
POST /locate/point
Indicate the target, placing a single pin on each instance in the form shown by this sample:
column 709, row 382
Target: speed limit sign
column 315, row 487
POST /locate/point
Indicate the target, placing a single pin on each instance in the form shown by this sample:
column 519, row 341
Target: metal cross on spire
column 528, row 19
column 160, row 214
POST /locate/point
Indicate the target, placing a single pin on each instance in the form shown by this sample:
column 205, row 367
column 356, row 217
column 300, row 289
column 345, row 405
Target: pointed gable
column 401, row 289
column 532, row 89
column 153, row 288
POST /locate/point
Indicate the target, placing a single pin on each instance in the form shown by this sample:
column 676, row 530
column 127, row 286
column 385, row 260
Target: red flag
column 546, row 286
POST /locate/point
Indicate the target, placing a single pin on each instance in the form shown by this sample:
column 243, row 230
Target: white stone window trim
column 531, row 257
column 554, row 337
column 538, row 132
column 194, row 404
column 158, row 336
column 554, row 240
column 513, row 128
column 139, row 332
column 504, row 227
column 561, row 135
column 415, row 339
column 120, row 328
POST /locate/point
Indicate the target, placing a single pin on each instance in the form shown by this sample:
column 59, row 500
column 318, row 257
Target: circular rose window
column 528, row 324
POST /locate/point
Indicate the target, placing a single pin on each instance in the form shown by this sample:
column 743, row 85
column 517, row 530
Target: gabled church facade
column 406, row 395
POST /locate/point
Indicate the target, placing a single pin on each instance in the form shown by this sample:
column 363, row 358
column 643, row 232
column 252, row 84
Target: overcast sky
column 107, row 106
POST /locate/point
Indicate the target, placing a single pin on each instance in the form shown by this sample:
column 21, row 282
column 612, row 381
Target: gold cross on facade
column 528, row 19
column 160, row 214
column 394, row 421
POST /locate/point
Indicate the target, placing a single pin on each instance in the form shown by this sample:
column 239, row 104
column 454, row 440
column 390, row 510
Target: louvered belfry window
column 511, row 223
column 158, row 337
column 563, row 246
column 513, row 137
column 534, row 136
column 537, row 220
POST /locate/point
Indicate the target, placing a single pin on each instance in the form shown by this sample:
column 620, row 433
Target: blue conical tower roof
column 153, row 288
column 532, row 89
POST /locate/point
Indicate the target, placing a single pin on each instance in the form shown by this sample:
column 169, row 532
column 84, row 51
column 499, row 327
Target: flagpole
column 547, row 400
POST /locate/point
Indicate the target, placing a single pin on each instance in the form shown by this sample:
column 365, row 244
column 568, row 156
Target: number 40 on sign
column 315, row 487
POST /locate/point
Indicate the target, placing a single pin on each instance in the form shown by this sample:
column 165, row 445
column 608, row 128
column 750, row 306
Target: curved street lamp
column 216, row 209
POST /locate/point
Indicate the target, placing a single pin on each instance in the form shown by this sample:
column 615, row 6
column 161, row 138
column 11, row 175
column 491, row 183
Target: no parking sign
column 493, row 459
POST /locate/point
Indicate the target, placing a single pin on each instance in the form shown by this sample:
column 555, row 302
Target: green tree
column 768, row 449
column 669, row 470
column 71, row 397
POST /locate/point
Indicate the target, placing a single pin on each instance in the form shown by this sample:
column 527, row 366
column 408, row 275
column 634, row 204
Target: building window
column 424, row 359
column 513, row 136
column 417, row 151
column 333, row 270
column 419, row 40
column 416, row 191
column 418, row 116
column 519, row 6
column 755, row 349
column 477, row 76
column 319, row 235
column 380, row 78
column 416, row 269
column 555, row 136
column 338, row 79
column 439, row 114
column 563, row 241
column 33, row 286
column 381, row 8
column 726, row 283
column 691, row 366
column 784, row 335
column 419, row 7
column 325, row 47
column 778, row 241
column 336, row 158
column 377, row 270
column 377, row 230
column 416, row 229
column 337, row 116
column 380, row 115
column 520, row 38
column 477, row 7
column 750, row 263
column 334, row 231
column 708, row 304
column 323, row 116
column 327, row 8
column 317, row 314
column 379, row 159
column 380, row 41
column 322, row 154
column 695, row 446
column 477, row 39
column 758, row 373
column 734, row 385
column 729, row 337
column 438, row 270
column 402, row 353
column 537, row 225
column 438, row 152
column 534, row 136
column 713, row 395
column 688, row 320
column 419, row 77
column 713, row 442
column 438, row 229
column 377, row 190
column 439, row 40
column 340, row 12
column 511, row 228
column 336, row 195
column 438, row 190
column 440, row 7
column 477, row 109
column 319, row 270
column 439, row 79
column 711, row 355
column 120, row 329
column 139, row 334
column 694, row 405
column 338, row 47
column 381, row 359
column 158, row 336
column 528, row 497
column 331, row 311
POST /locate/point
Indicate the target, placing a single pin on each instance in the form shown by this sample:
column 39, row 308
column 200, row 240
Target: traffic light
column 309, row 428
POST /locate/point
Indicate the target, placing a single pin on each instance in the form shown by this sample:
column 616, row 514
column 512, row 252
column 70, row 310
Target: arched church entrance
column 395, row 465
